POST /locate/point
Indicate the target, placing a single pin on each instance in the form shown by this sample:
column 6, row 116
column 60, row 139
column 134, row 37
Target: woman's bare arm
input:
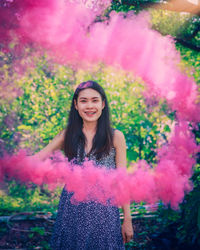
column 55, row 144
column 120, row 147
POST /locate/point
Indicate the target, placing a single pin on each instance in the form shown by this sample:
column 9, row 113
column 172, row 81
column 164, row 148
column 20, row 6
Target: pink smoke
column 168, row 181
column 70, row 32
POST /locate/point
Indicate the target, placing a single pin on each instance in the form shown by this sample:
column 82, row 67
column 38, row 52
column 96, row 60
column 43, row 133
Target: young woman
column 90, row 225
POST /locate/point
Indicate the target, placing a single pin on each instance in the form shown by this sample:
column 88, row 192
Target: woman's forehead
column 89, row 93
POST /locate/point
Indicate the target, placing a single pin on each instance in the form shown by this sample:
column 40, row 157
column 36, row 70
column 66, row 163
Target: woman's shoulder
column 118, row 138
column 117, row 132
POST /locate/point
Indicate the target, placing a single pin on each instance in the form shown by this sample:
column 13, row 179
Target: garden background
column 35, row 107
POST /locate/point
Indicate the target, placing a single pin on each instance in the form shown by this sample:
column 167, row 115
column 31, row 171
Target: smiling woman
column 89, row 105
column 90, row 225
column 89, row 122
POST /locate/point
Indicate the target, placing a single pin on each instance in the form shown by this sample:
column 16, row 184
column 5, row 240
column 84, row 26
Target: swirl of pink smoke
column 68, row 31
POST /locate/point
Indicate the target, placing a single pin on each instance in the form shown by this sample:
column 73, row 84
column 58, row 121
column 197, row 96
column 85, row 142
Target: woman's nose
column 89, row 105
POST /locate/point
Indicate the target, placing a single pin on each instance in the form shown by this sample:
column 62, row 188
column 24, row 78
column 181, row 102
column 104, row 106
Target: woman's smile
column 89, row 105
column 90, row 113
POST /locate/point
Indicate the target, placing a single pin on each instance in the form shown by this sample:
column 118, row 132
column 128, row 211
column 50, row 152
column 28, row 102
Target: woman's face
column 89, row 105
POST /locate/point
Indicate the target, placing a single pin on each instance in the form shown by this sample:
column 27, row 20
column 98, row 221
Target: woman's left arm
column 120, row 147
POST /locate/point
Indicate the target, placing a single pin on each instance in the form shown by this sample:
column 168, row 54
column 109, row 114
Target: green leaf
column 167, row 128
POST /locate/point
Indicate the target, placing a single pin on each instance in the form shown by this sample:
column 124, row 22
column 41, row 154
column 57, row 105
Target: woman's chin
column 90, row 119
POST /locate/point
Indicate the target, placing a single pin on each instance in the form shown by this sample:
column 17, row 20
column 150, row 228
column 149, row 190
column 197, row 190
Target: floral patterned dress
column 88, row 225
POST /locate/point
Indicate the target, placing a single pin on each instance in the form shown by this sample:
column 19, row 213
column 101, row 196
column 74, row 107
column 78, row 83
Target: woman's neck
column 89, row 128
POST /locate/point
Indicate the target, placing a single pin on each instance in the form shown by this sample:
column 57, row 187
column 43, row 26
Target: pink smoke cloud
column 168, row 181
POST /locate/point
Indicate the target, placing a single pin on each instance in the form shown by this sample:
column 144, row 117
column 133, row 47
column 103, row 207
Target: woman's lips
column 89, row 113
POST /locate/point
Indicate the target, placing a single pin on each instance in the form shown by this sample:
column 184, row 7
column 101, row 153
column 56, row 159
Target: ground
column 31, row 232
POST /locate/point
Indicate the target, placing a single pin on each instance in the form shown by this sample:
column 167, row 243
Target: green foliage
column 40, row 111
column 168, row 23
column 191, row 62
column 22, row 198
column 189, row 223
column 39, row 230
column 131, row 5
column 182, row 225
column 182, row 26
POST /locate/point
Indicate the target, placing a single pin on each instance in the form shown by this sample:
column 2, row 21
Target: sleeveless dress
column 87, row 225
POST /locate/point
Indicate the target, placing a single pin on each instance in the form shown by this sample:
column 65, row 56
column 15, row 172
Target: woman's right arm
column 55, row 144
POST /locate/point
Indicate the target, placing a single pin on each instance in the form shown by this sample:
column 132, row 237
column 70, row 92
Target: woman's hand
column 127, row 230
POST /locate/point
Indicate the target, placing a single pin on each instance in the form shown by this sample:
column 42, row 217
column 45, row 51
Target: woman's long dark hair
column 74, row 136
